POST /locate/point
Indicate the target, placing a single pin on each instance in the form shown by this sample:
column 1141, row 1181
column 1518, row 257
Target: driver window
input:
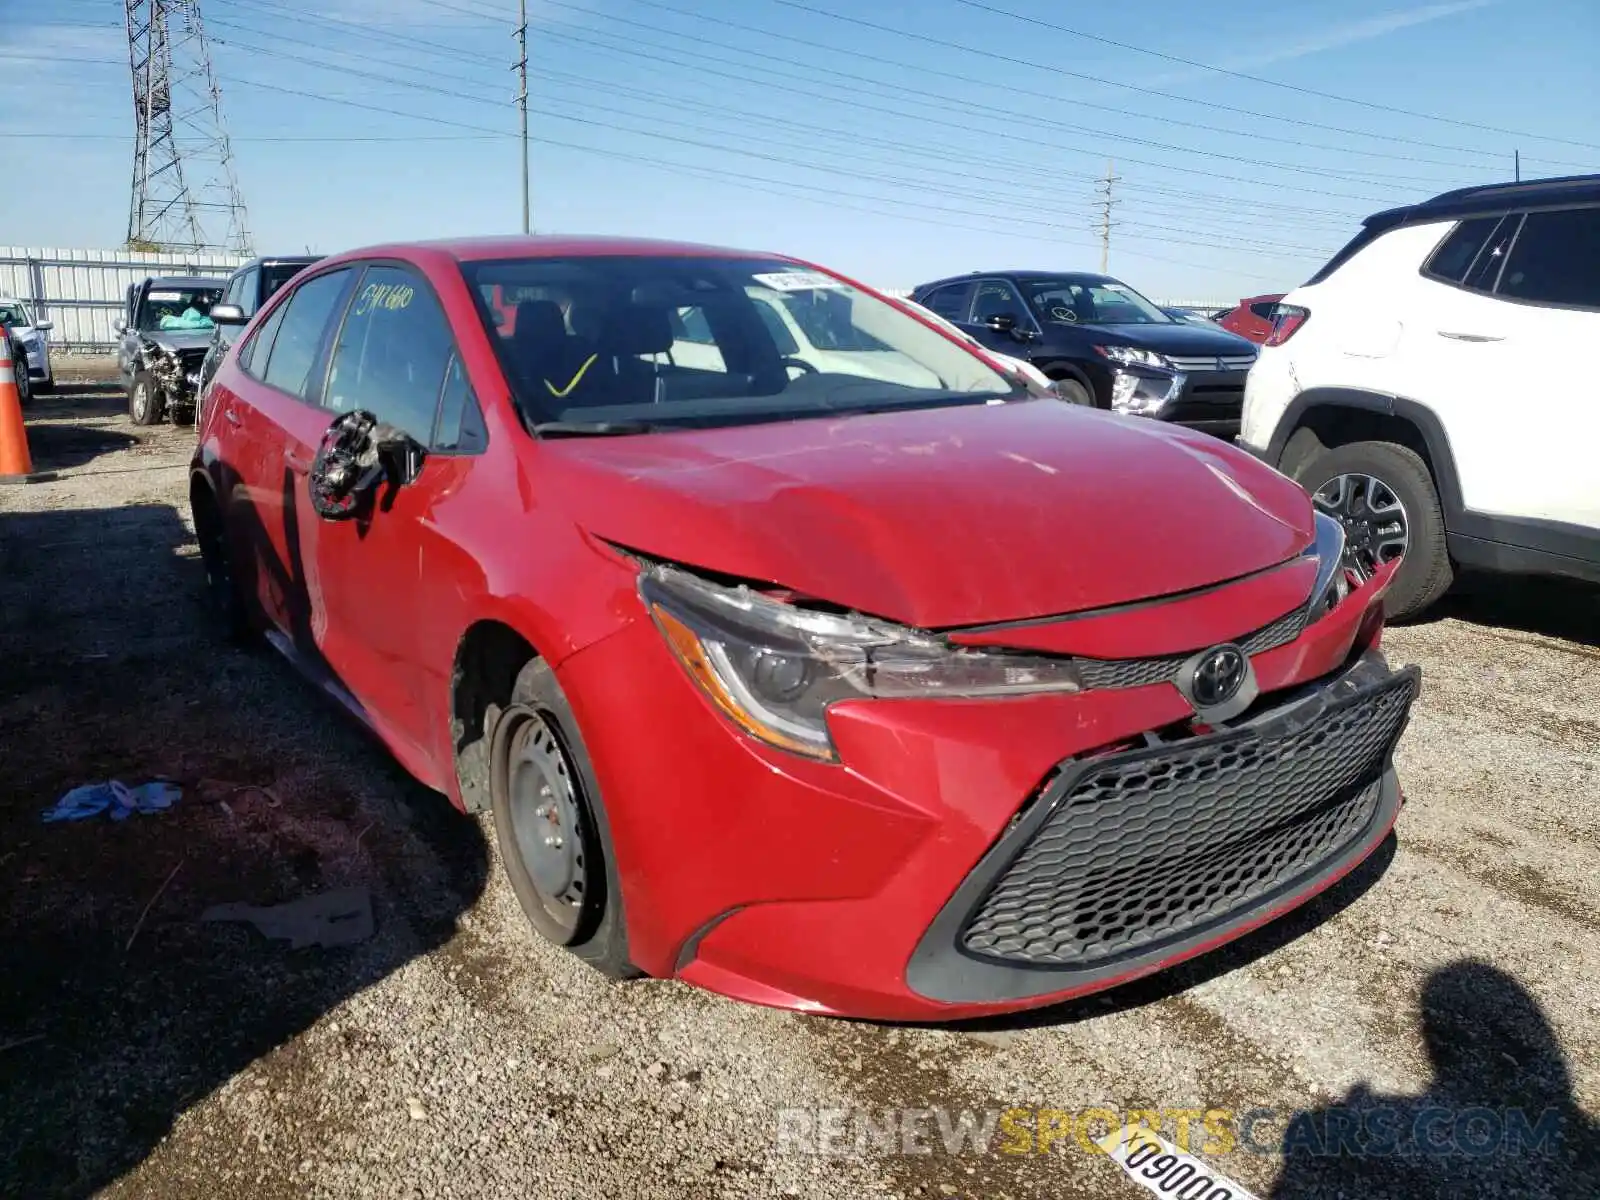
column 391, row 353
column 997, row 298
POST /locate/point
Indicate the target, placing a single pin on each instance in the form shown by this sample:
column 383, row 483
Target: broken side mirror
column 119, row 326
column 356, row 456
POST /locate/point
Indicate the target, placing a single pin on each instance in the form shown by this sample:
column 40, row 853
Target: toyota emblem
column 1218, row 676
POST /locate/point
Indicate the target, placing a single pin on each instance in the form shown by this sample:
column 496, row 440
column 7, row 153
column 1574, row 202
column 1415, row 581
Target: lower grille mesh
column 1145, row 846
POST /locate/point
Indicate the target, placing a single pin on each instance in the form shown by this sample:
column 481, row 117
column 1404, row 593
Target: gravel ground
column 144, row 1053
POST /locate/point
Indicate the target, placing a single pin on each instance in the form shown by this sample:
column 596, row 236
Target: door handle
column 1469, row 337
column 232, row 417
column 296, row 462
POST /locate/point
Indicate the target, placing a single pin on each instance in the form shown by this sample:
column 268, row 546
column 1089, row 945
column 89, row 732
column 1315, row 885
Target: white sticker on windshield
column 797, row 281
column 170, row 297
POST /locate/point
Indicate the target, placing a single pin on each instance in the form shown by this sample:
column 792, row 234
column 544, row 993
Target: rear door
column 1525, row 417
column 381, row 615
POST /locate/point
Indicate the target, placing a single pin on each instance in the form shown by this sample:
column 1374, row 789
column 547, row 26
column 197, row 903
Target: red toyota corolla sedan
column 797, row 653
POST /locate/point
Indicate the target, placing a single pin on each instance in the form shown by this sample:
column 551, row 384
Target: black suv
column 1103, row 343
column 250, row 286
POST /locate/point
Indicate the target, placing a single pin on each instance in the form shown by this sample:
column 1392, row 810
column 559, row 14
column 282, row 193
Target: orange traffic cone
column 16, row 464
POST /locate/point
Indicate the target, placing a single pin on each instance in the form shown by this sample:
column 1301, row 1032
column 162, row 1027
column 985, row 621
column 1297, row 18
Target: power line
column 1288, row 87
column 343, row 69
column 656, row 134
column 736, row 176
column 1256, row 135
column 1022, row 62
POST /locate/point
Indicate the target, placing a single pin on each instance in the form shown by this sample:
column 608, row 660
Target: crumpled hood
column 940, row 517
column 179, row 339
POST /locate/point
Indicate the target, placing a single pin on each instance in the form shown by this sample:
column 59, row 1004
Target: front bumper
column 1209, row 401
column 849, row 888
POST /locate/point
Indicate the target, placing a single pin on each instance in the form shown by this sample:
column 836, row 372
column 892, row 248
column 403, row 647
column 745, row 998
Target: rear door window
column 950, row 301
column 1450, row 261
column 1485, row 269
column 1556, row 259
column 391, row 354
column 300, row 334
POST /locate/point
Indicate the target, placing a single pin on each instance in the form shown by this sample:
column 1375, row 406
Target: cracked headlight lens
column 774, row 668
column 1334, row 574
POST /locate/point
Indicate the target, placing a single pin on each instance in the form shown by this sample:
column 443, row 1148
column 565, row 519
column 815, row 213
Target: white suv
column 1430, row 386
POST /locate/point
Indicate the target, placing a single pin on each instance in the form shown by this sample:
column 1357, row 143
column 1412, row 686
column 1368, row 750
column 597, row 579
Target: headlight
column 1133, row 356
column 1333, row 572
column 1144, row 395
column 774, row 669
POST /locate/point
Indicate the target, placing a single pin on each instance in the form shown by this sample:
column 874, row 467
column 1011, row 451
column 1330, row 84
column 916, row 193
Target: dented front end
column 176, row 372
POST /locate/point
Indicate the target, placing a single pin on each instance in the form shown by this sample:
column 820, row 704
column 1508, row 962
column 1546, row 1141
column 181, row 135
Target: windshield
column 1091, row 300
column 168, row 309
column 711, row 341
column 14, row 314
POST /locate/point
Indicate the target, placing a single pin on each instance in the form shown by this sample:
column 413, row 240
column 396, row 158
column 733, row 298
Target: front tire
column 1073, row 392
column 1384, row 495
column 144, row 399
column 224, row 596
column 551, row 825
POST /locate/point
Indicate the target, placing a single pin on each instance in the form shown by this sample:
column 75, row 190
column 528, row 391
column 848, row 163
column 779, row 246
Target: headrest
column 539, row 322
column 637, row 329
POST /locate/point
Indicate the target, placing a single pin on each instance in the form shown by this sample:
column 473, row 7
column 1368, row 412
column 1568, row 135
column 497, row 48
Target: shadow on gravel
column 1231, row 957
column 119, row 1008
column 1558, row 608
column 1499, row 1119
column 61, row 447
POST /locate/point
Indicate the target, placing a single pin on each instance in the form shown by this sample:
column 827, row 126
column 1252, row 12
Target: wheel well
column 1329, row 426
column 488, row 661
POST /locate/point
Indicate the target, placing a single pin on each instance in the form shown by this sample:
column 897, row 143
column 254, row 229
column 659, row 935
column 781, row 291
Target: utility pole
column 1105, row 204
column 1516, row 158
column 521, row 67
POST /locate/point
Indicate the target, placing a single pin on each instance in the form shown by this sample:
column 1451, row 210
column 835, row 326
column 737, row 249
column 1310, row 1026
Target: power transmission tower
column 521, row 66
column 1105, row 204
column 185, row 194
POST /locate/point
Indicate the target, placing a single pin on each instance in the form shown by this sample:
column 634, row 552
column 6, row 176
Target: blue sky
column 952, row 137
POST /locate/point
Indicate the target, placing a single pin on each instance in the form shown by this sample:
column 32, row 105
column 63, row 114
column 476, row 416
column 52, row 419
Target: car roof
column 186, row 281
column 1090, row 276
column 1555, row 192
column 269, row 260
column 479, row 249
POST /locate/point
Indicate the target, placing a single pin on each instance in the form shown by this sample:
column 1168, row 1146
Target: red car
column 1252, row 318
column 855, row 681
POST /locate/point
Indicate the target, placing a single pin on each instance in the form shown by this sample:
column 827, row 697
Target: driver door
column 381, row 621
column 998, row 298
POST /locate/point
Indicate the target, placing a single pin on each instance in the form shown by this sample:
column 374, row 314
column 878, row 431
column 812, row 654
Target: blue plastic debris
column 115, row 797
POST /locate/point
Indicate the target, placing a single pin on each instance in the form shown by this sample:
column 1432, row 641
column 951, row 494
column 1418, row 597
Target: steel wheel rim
column 141, row 400
column 1376, row 527
column 547, row 821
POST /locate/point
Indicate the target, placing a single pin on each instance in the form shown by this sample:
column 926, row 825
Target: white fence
column 82, row 291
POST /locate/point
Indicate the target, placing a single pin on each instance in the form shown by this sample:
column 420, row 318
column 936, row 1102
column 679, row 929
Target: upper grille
column 1138, row 672
column 1209, row 362
column 1145, row 848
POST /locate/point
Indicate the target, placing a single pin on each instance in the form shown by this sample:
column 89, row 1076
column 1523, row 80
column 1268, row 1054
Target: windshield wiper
column 591, row 428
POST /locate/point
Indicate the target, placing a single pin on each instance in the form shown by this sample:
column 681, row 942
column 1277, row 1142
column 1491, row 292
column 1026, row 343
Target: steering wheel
column 346, row 468
column 801, row 363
